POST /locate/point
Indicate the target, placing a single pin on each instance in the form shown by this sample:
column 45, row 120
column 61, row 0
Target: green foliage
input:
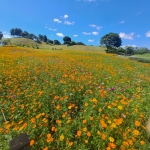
column 56, row 42
column 1, row 35
column 45, row 38
column 111, row 41
column 25, row 34
column 80, row 43
column 49, row 41
column 67, row 40
column 129, row 50
column 16, row 31
column 142, row 50
column 72, row 43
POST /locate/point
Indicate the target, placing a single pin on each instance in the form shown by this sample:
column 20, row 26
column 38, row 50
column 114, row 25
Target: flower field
column 73, row 100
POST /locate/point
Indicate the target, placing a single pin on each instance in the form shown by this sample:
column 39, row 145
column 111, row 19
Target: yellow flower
column 86, row 104
column 109, row 107
column 69, row 107
column 111, row 139
column 98, row 132
column 85, row 129
column 61, row 138
column 86, row 141
column 120, row 107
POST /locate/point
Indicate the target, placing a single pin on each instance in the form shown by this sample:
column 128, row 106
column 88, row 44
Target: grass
column 25, row 41
column 145, row 58
column 73, row 99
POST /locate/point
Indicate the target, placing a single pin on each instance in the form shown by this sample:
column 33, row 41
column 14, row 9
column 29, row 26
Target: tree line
column 42, row 38
column 113, row 42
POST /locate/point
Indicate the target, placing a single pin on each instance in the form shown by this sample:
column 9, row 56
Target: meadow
column 73, row 100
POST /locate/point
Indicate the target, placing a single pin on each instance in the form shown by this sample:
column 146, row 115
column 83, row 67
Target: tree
column 111, row 41
column 49, row 41
column 31, row 36
column 56, row 42
column 12, row 32
column 45, row 38
column 18, row 32
column 1, row 35
column 80, row 43
column 72, row 43
column 25, row 34
column 41, row 37
column 129, row 50
column 67, row 40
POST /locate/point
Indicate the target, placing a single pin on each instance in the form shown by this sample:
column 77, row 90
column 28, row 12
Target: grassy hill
column 141, row 58
column 43, row 45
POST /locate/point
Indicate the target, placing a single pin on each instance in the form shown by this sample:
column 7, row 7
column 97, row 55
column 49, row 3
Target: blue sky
column 82, row 20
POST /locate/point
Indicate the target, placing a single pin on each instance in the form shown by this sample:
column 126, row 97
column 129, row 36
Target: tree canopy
column 67, row 40
column 1, row 35
column 111, row 40
column 56, row 42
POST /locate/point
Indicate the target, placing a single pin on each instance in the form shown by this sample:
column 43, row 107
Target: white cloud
column 57, row 20
column 134, row 45
column 98, row 27
column 90, row 40
column 121, row 22
column 52, row 29
column 147, row 33
column 126, row 36
column 60, row 34
column 95, row 26
column 69, row 23
column 65, row 16
column 86, row 33
column 6, row 35
column 75, row 35
column 95, row 33
column 138, row 36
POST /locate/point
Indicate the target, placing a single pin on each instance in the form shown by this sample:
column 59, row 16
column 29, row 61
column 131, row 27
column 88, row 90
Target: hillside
column 26, row 41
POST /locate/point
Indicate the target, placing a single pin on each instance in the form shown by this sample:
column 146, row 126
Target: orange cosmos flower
column 79, row 132
column 137, row 123
column 84, row 121
column 46, row 148
column 142, row 142
column 103, row 136
column 70, row 143
column 32, row 142
column 88, row 134
column 136, row 132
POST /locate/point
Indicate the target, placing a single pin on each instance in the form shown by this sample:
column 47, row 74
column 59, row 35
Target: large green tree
column 45, row 38
column 67, row 40
column 12, row 32
column 1, row 35
column 56, row 42
column 111, row 40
